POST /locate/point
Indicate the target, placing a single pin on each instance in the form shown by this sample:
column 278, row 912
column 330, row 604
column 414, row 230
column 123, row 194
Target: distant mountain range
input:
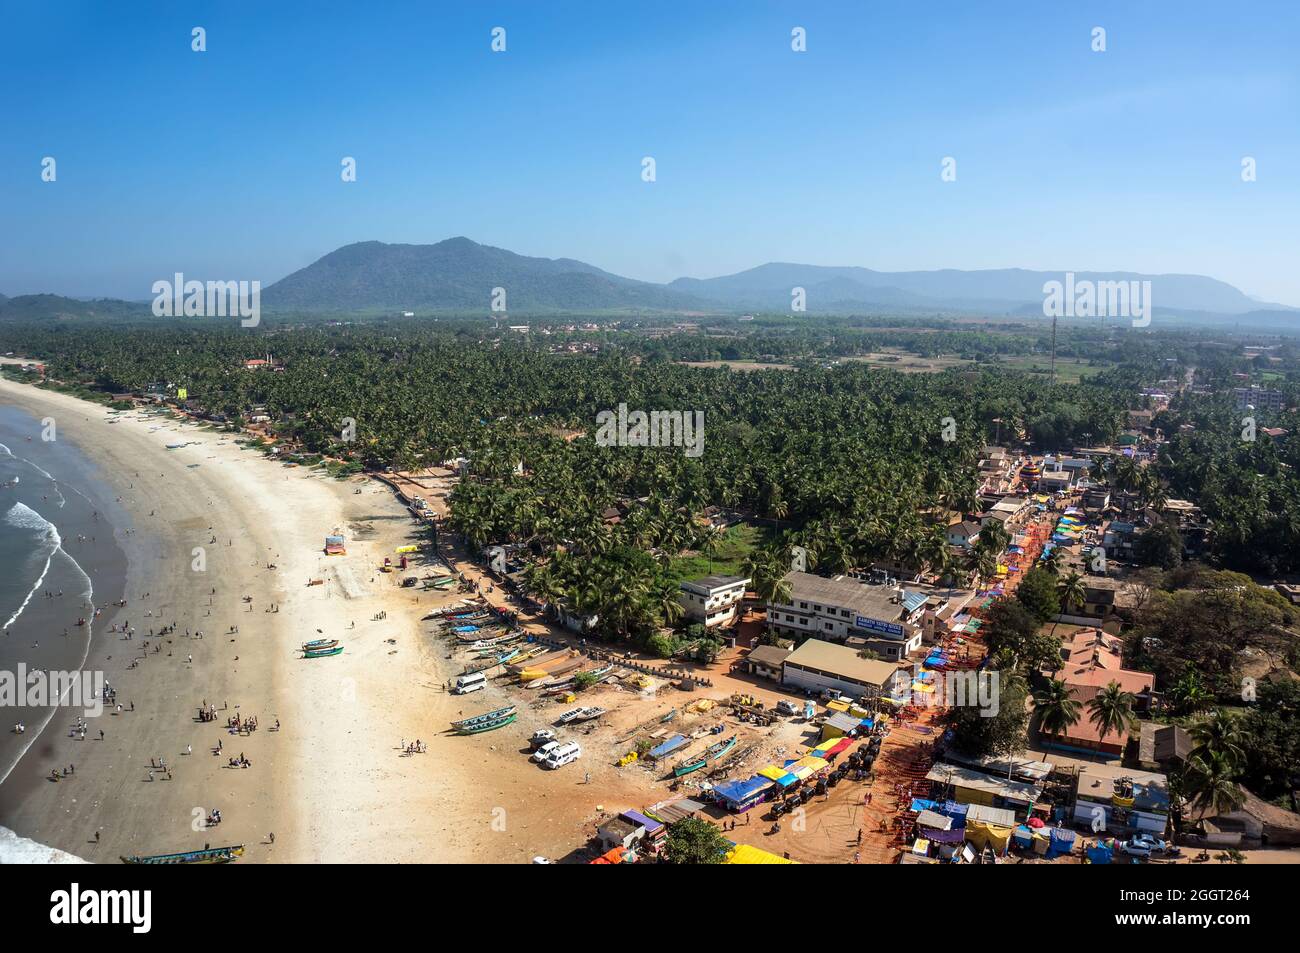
column 459, row 275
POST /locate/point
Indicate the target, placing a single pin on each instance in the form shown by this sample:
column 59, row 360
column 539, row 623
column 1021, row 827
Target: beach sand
column 332, row 783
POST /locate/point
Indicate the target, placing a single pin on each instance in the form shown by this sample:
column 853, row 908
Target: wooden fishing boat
column 711, row 754
column 319, row 644
column 208, row 855
column 568, row 716
column 486, row 716
column 486, row 725
column 485, row 646
column 324, row 653
column 541, row 659
column 589, row 714
column 540, row 668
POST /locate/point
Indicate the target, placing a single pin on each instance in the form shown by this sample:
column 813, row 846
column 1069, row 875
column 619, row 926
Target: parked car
column 1142, row 845
column 787, row 708
column 541, row 737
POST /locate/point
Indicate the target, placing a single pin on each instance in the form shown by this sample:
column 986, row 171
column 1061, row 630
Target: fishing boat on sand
column 322, row 653
column 319, row 644
column 588, row 714
column 568, row 716
column 711, row 754
column 486, row 725
column 208, row 855
column 486, row 716
column 560, row 666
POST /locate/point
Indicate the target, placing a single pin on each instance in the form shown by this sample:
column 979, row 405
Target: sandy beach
column 332, row 783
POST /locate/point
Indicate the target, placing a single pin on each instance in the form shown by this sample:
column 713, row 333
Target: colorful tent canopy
column 806, row 767
column 745, row 854
column 738, row 795
column 780, row 775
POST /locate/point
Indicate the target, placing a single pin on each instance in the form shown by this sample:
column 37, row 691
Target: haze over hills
column 459, row 275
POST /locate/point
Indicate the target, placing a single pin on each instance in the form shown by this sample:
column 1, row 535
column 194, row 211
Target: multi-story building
column 1121, row 800
column 886, row 620
column 712, row 600
column 1261, row 398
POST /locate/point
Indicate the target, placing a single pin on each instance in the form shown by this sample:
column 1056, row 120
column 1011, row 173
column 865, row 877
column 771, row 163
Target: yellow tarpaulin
column 772, row 773
column 806, row 767
column 982, row 834
column 838, row 706
column 744, row 854
column 407, row 549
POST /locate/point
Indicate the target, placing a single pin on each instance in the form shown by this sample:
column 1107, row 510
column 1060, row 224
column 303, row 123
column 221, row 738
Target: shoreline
column 333, row 783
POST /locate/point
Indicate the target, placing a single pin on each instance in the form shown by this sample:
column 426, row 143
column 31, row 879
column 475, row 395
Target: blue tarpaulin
column 739, row 795
column 1062, row 842
column 1099, row 855
column 669, row 746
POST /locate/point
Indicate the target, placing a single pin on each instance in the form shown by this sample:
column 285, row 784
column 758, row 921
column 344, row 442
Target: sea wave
column 22, row 516
column 23, row 850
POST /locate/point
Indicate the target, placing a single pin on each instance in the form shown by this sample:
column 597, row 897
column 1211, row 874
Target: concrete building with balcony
column 713, row 600
column 889, row 621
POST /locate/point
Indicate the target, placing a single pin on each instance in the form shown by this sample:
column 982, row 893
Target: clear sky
column 225, row 164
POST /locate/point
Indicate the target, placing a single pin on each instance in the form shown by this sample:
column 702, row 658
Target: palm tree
column 1212, row 784
column 1219, row 736
column 1072, row 591
column 1056, row 707
column 1111, row 711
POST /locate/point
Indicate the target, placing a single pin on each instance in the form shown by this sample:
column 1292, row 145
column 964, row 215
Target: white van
column 562, row 755
column 469, row 683
column 544, row 752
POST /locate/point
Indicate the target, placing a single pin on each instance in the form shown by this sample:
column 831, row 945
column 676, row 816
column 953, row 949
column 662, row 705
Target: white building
column 888, row 620
column 964, row 534
column 713, row 600
column 816, row 666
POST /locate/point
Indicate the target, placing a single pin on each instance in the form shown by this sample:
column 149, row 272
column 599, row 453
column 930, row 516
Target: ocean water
column 59, row 560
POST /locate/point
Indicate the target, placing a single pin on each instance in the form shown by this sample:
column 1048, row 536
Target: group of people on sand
column 415, row 747
column 245, row 726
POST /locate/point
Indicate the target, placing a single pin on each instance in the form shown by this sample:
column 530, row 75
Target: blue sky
column 225, row 164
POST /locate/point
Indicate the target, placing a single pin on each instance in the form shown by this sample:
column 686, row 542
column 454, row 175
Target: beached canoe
column 209, row 855
column 540, row 660
column 711, row 754
column 486, row 725
column 325, row 653
column 319, row 644
column 486, row 716
column 589, row 714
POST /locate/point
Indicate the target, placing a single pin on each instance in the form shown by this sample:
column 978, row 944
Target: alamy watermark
column 213, row 299
column 1085, row 298
column 658, row 428
column 35, row 688
column 968, row 689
